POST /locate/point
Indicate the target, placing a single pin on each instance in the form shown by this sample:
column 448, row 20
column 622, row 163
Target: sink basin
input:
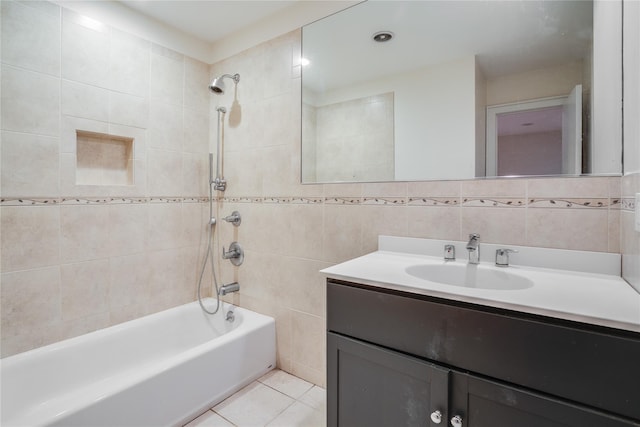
column 470, row 276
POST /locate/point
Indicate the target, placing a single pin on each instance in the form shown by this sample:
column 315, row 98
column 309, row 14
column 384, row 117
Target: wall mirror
column 430, row 90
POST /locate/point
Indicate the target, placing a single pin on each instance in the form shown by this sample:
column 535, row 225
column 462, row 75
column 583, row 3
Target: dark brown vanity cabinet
column 398, row 359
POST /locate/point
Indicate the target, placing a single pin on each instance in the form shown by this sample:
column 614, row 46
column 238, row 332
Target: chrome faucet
column 473, row 246
column 227, row 289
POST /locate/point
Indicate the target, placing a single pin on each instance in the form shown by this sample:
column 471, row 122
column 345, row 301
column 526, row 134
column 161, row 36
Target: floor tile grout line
column 221, row 416
column 293, row 401
column 281, row 412
column 282, row 392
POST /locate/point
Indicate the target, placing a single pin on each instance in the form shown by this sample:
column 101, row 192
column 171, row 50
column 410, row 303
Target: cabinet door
column 482, row 403
column 371, row 386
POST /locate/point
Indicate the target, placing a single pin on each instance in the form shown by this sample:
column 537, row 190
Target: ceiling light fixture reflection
column 382, row 36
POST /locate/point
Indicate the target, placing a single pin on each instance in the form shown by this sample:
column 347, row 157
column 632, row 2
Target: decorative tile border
column 342, row 200
column 433, row 201
column 29, row 202
column 495, row 202
column 238, row 199
column 398, row 201
column 306, row 200
column 70, row 201
column 293, row 200
column 488, row 202
column 572, row 203
column 628, row 204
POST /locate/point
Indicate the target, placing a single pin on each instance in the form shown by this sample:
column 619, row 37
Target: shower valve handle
column 234, row 218
column 235, row 254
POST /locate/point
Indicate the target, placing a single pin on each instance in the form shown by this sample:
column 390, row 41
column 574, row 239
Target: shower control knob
column 436, row 417
column 234, row 218
column 456, row 421
column 235, row 254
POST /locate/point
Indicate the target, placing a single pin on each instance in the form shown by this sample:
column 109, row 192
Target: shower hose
column 209, row 257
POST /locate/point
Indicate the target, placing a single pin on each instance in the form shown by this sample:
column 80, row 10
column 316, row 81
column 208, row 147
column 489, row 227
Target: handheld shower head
column 217, row 84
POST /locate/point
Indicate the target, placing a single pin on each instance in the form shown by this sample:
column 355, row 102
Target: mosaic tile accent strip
column 307, row 200
column 495, row 202
column 628, row 204
column 570, row 203
column 238, row 199
column 398, row 201
column 98, row 201
column 128, row 201
column 87, row 201
column 29, row 202
column 342, row 200
column 433, row 201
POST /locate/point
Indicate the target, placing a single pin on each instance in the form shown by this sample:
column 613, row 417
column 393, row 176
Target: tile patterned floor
column 278, row 399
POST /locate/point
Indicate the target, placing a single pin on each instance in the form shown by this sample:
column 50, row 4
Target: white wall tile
column 31, row 37
column 30, row 299
column 84, row 289
column 195, row 180
column 84, row 235
column 85, row 49
column 196, row 131
column 129, row 58
column 166, row 80
column 30, row 237
column 127, row 228
column 164, row 226
column 164, row 173
column 81, row 100
column 30, row 102
column 29, row 165
column 196, row 82
column 128, row 110
column 128, row 280
column 165, row 126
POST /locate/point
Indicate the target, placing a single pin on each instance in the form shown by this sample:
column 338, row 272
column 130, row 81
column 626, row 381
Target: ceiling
column 506, row 37
column 499, row 33
column 209, row 20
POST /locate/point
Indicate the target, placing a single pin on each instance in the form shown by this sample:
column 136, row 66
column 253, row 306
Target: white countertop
column 593, row 298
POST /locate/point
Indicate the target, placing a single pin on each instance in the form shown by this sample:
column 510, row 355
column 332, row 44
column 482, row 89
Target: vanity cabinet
column 395, row 358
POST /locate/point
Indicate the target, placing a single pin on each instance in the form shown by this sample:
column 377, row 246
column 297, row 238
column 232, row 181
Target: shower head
column 217, row 84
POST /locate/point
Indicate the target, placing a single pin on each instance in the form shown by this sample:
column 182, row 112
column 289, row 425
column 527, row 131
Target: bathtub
column 160, row 370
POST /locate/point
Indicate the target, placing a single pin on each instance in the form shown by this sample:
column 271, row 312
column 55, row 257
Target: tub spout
column 227, row 289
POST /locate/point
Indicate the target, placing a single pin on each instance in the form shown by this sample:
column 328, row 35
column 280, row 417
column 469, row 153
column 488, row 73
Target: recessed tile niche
column 103, row 159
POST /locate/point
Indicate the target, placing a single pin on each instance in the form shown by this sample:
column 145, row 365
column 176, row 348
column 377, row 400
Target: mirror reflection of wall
column 350, row 140
column 447, row 64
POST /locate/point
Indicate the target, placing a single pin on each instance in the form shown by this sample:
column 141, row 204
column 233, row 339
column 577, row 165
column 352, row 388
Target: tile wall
column 78, row 258
column 75, row 258
column 629, row 232
column 290, row 231
column 353, row 140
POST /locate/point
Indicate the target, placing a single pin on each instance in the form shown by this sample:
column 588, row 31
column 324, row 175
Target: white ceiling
column 500, row 33
column 505, row 36
column 209, row 20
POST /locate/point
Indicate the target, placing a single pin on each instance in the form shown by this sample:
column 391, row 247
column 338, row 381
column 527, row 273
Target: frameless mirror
column 428, row 90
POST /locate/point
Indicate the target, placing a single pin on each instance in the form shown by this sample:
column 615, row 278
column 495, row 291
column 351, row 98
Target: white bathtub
column 159, row 370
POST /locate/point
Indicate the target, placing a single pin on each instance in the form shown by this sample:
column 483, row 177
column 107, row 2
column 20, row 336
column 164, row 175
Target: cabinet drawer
column 596, row 367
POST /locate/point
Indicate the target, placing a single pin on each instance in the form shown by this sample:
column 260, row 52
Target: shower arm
column 219, row 183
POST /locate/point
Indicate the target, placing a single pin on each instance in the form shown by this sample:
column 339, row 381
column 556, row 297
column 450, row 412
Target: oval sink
column 469, row 276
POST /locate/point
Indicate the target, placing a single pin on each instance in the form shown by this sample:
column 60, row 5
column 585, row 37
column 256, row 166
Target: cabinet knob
column 436, row 417
column 456, row 421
